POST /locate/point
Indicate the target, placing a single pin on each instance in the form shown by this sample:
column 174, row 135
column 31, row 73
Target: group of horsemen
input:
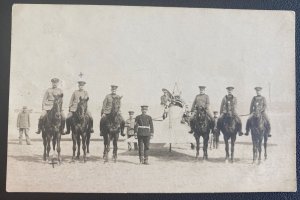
column 201, row 101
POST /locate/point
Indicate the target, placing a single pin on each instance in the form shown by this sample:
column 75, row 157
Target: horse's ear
column 121, row 97
column 87, row 99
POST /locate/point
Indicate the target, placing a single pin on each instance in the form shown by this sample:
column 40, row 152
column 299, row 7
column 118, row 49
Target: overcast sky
column 144, row 49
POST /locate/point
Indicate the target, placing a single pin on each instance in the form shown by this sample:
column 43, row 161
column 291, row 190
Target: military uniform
column 144, row 129
column 228, row 104
column 75, row 99
column 48, row 102
column 201, row 100
column 258, row 103
column 129, row 124
column 23, row 124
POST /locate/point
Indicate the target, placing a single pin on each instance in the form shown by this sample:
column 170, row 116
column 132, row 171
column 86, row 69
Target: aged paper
column 142, row 50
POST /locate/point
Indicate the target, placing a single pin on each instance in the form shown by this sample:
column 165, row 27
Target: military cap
column 114, row 87
column 215, row 112
column 164, row 90
column 81, row 82
column 24, row 107
column 202, row 87
column 130, row 112
column 144, row 107
column 230, row 88
column 55, row 80
column 258, row 88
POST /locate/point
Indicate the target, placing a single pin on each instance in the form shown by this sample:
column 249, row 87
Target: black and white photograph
column 140, row 99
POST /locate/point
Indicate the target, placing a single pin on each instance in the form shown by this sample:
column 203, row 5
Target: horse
column 202, row 127
column 52, row 128
column 80, row 127
column 113, row 125
column 229, row 128
column 258, row 133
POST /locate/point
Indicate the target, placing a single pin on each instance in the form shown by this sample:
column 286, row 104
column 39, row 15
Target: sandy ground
column 175, row 171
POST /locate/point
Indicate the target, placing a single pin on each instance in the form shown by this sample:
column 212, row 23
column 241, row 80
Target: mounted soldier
column 47, row 104
column 77, row 94
column 258, row 103
column 201, row 100
column 229, row 103
column 107, row 106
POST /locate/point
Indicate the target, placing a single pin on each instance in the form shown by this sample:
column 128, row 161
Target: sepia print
column 131, row 99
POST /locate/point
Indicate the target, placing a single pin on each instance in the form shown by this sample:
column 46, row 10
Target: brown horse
column 202, row 127
column 80, row 125
column 113, row 125
column 52, row 128
column 259, row 132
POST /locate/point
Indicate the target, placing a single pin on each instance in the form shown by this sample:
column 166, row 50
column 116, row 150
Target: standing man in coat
column 47, row 104
column 201, row 100
column 77, row 94
column 23, row 124
column 107, row 106
column 258, row 102
column 144, row 130
column 228, row 104
column 129, row 124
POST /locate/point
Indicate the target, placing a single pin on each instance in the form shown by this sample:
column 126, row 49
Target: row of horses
column 114, row 125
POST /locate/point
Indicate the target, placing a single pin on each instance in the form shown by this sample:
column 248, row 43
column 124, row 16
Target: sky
column 145, row 49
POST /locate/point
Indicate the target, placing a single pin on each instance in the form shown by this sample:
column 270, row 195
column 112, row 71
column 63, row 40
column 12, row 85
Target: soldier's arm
column 234, row 104
column 207, row 102
column 251, row 105
column 264, row 107
column 18, row 121
column 151, row 125
column 45, row 99
column 104, row 105
column 222, row 105
column 194, row 104
column 72, row 100
column 136, row 125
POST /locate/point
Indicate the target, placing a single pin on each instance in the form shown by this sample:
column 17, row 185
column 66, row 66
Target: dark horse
column 113, row 125
column 258, row 133
column 52, row 128
column 229, row 128
column 202, row 127
column 80, row 125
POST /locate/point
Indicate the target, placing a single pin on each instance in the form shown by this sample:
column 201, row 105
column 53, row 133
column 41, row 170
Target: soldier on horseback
column 107, row 106
column 258, row 102
column 48, row 104
column 229, row 103
column 74, row 103
column 201, row 100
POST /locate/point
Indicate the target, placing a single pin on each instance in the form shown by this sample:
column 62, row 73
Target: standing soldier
column 23, row 124
column 216, row 132
column 74, row 103
column 130, row 130
column 201, row 100
column 230, row 102
column 107, row 106
column 48, row 104
column 144, row 130
column 260, row 102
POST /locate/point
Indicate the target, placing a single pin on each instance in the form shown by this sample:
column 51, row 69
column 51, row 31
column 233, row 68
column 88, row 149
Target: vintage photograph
column 137, row 99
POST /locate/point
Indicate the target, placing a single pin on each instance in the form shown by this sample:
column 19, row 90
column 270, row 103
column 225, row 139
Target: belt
column 144, row 127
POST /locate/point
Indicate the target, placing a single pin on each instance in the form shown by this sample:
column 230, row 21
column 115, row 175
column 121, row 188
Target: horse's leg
column 84, row 146
column 74, row 144
column 58, row 147
column 197, row 145
column 106, row 146
column 254, row 142
column 265, row 145
column 217, row 140
column 233, row 138
column 259, row 148
column 45, row 146
column 48, row 145
column 205, row 146
column 78, row 146
column 88, row 138
column 115, row 143
column 226, row 148
column 54, row 144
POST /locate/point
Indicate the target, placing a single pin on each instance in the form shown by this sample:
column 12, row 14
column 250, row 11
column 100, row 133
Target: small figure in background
column 23, row 124
column 130, row 131
column 216, row 132
column 165, row 101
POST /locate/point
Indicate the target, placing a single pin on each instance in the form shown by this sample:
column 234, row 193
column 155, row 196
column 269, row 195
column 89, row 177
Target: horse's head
column 82, row 107
column 56, row 110
column 116, row 104
column 201, row 112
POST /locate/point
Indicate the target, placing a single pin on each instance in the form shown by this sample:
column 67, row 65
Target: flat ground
column 175, row 171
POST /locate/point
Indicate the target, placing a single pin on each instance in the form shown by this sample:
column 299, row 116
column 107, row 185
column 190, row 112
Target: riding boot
column 247, row 127
column 268, row 129
column 102, row 122
column 141, row 160
column 122, row 128
column 68, row 127
column 40, row 124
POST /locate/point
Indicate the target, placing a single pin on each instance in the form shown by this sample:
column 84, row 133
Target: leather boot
column 40, row 124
